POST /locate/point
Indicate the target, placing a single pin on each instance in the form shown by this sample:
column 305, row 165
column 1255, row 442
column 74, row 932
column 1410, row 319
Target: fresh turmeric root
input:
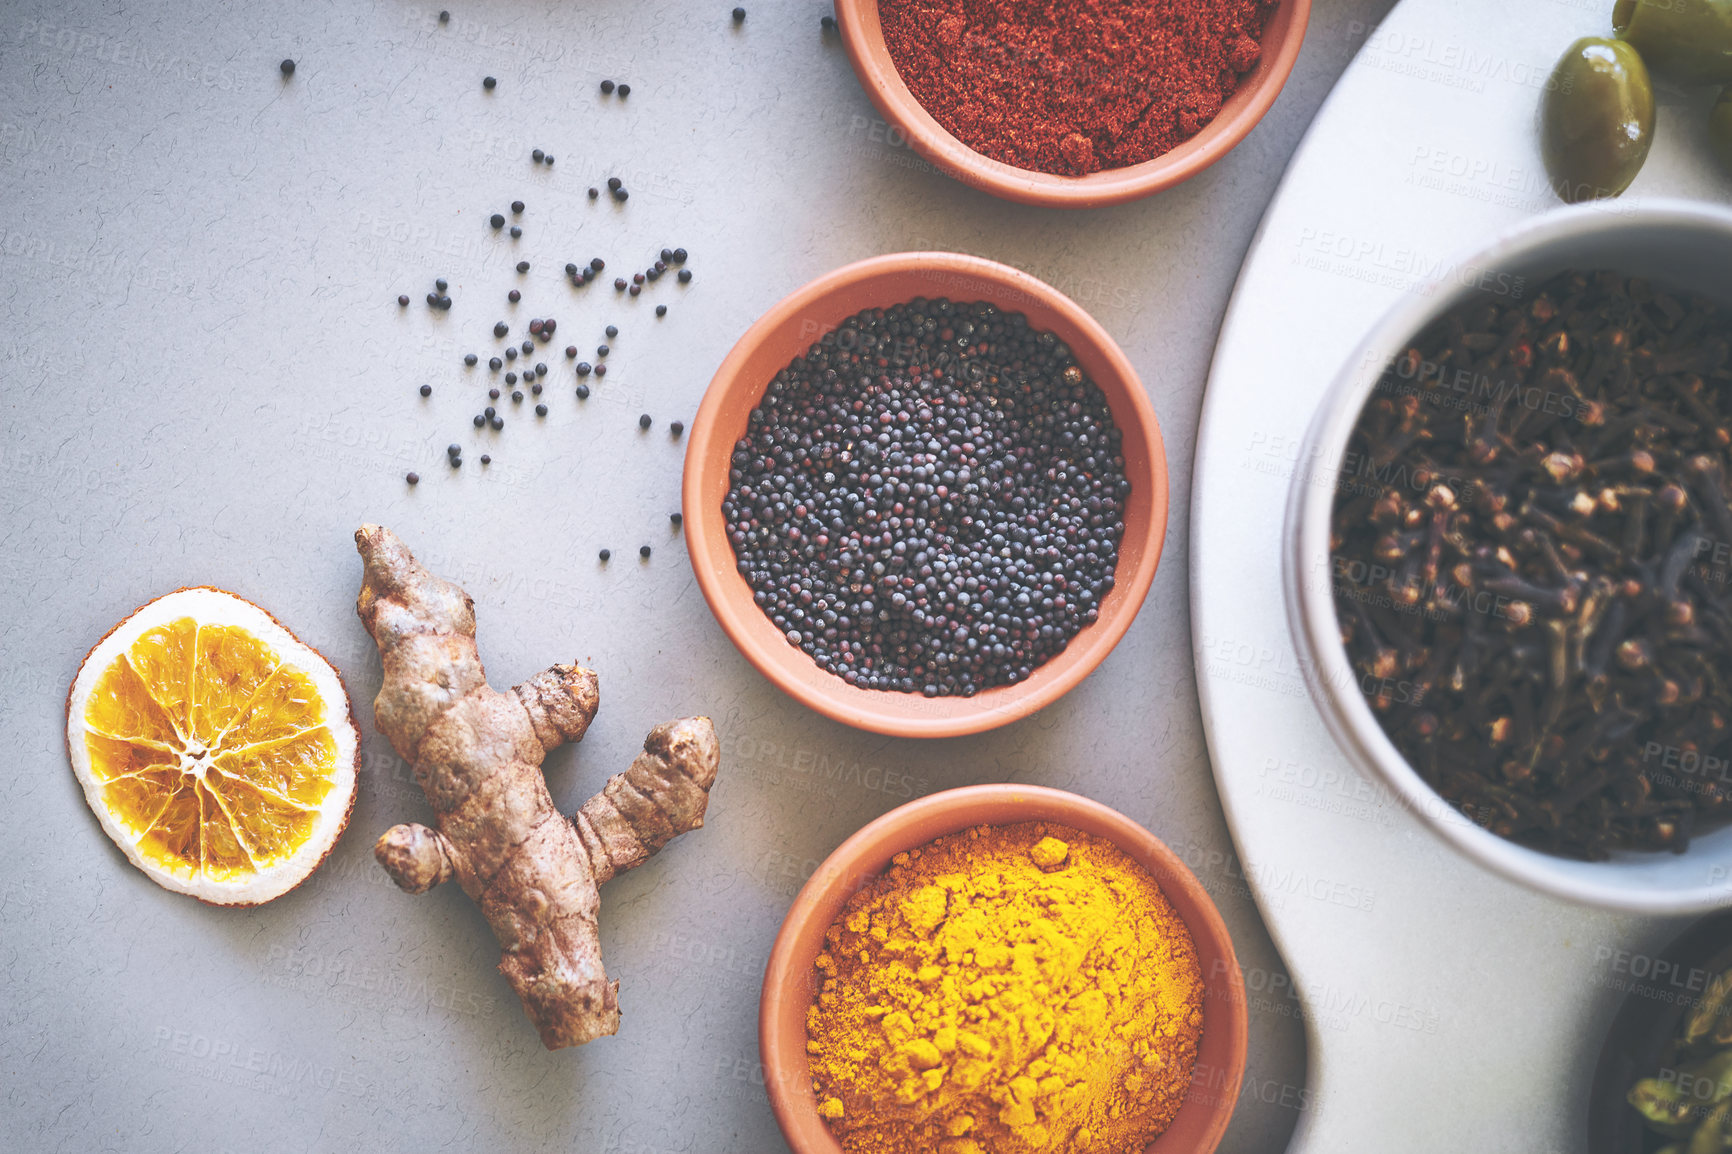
column 477, row 753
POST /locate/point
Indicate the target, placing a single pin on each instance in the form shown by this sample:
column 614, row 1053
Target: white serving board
column 1446, row 1009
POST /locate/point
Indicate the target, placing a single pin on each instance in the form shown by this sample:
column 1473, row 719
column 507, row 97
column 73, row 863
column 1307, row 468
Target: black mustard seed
column 930, row 500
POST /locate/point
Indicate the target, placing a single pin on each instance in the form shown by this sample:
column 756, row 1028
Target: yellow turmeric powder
column 1005, row 990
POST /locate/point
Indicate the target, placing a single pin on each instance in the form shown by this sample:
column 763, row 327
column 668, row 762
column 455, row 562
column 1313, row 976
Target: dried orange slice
column 216, row 749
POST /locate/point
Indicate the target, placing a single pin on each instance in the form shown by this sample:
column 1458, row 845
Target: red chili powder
column 1073, row 86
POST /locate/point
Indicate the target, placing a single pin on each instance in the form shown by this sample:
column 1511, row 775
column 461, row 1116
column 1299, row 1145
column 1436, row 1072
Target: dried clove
column 1532, row 558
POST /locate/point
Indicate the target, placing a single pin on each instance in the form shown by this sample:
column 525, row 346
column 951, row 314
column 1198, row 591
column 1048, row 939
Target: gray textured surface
column 205, row 378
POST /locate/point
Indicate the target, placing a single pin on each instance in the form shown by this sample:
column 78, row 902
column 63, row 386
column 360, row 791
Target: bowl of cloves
column 1509, row 562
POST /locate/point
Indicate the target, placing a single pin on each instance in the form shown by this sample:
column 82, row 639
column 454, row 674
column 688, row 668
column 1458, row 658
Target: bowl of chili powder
column 1072, row 103
column 867, row 862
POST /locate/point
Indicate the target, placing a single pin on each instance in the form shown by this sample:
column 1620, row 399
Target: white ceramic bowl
column 1682, row 244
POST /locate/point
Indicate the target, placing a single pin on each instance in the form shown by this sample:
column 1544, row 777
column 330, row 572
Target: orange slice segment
column 121, row 706
column 233, row 666
column 215, row 748
column 268, row 825
column 293, row 768
column 163, row 659
column 286, row 704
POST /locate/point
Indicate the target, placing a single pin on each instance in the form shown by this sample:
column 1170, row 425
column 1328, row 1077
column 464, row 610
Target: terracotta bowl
column 789, row 989
column 863, row 36
column 786, row 331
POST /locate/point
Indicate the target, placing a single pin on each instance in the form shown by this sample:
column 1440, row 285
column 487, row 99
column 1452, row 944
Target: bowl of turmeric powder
column 1007, row 969
column 1069, row 103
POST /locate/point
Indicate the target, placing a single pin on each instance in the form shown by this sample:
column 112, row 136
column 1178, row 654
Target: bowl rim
column 1000, row 705
column 862, row 38
column 865, row 854
column 1310, row 605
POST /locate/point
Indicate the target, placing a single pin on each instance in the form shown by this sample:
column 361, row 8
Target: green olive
column 1720, row 128
column 1598, row 119
column 1687, row 41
